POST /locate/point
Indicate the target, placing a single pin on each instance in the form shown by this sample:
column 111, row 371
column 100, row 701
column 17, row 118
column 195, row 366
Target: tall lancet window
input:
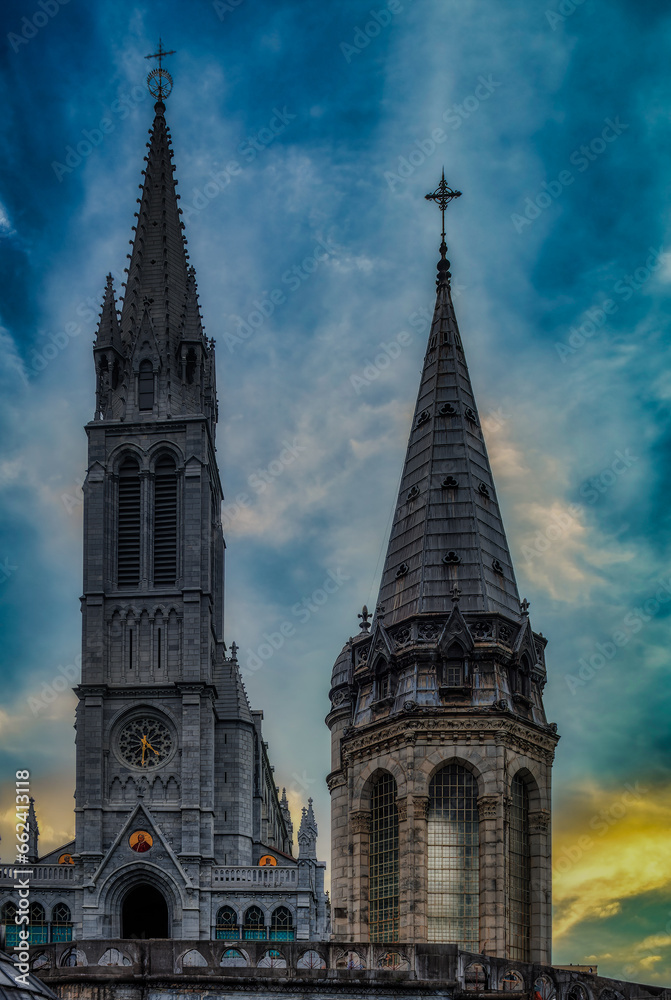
column 128, row 525
column 145, row 386
column 165, row 522
column 454, row 859
column 383, row 860
column 519, row 878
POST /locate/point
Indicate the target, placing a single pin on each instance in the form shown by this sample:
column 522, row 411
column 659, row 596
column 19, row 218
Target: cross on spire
column 442, row 196
column 159, row 80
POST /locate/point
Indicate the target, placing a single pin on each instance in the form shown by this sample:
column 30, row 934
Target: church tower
column 441, row 752
column 176, row 803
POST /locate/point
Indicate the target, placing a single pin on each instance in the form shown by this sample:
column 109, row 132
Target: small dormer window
column 454, row 667
column 145, row 384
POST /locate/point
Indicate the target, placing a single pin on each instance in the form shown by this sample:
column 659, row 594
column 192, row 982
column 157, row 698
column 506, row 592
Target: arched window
column 128, row 534
column 254, row 928
column 61, row 923
column 7, row 914
column 38, row 927
column 454, row 859
column 281, row 925
column 145, row 386
column 165, row 522
column 383, row 861
column 227, row 924
column 519, row 880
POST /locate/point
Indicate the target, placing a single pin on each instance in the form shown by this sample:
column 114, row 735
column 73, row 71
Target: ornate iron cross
column 442, row 196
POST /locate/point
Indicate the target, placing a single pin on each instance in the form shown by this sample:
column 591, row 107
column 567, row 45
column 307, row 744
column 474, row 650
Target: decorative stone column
column 420, row 851
column 492, row 874
column 541, row 885
column 359, row 824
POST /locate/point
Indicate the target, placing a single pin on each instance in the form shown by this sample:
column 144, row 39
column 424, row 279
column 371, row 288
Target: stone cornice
column 430, row 728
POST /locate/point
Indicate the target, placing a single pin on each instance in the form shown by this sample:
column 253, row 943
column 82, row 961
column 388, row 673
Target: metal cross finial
column 159, row 80
column 442, row 196
column 161, row 52
column 524, row 606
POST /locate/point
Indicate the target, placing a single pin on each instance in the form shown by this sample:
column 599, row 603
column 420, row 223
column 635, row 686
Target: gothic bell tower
column 156, row 685
column 441, row 751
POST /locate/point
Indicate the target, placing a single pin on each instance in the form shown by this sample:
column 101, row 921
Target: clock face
column 145, row 742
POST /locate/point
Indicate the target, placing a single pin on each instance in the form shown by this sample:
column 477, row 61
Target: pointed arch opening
column 145, row 386
column 384, row 861
column 128, row 524
column 144, row 913
column 227, row 924
column 454, row 859
column 165, row 522
column 454, row 666
column 254, row 927
column 281, row 924
column 519, row 873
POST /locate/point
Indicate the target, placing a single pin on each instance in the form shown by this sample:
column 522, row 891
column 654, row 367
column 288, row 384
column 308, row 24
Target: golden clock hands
column 150, row 747
column 146, row 745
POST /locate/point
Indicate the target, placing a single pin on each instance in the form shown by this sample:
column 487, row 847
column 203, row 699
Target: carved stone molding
column 488, row 806
column 359, row 821
column 503, row 731
column 539, row 821
column 335, row 779
column 402, row 809
column 421, row 806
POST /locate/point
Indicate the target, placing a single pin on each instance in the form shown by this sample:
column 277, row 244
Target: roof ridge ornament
column 159, row 81
column 443, row 195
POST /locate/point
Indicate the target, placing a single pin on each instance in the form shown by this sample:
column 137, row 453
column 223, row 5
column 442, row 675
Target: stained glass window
column 519, row 881
column 384, row 922
column 454, row 859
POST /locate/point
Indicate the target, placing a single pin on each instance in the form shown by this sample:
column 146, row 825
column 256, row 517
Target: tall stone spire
column 447, row 530
column 160, row 333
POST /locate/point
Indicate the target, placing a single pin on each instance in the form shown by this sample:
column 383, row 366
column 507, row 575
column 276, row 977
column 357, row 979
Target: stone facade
column 170, row 970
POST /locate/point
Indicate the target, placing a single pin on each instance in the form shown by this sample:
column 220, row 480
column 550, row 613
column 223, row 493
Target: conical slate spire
column 447, row 528
column 158, row 278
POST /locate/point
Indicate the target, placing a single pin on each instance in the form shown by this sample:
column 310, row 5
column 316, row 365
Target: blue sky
column 327, row 125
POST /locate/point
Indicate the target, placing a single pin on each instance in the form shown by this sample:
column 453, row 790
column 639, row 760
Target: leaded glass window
column 227, row 924
column 255, row 926
column 281, row 925
column 61, row 923
column 383, row 895
column 454, row 859
column 519, row 880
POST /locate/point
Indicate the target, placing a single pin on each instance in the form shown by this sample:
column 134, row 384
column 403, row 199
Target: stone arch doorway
column 144, row 913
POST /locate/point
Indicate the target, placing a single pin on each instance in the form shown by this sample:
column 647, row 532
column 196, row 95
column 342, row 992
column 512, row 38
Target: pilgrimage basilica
column 186, row 874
